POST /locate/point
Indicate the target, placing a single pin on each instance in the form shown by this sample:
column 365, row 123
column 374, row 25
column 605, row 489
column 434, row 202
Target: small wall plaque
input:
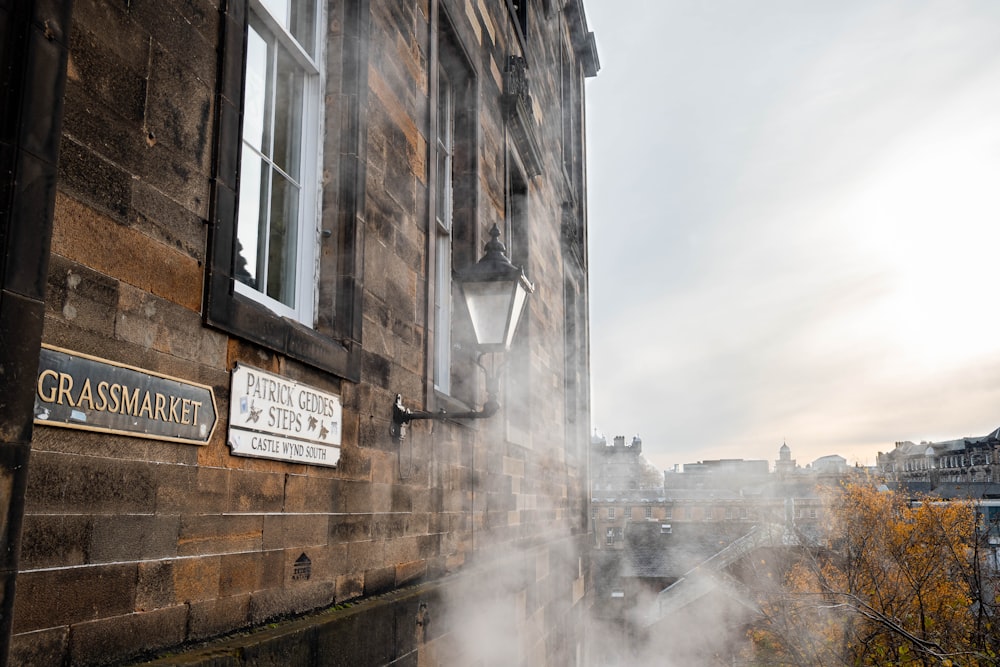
column 302, row 568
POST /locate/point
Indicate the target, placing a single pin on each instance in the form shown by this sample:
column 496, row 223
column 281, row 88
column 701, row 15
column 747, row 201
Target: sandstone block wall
column 132, row 545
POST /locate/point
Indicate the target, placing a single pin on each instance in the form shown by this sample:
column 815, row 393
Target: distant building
column 965, row 460
column 785, row 464
column 620, row 491
column 738, row 467
column 832, row 463
column 719, row 491
column 715, row 511
column 618, row 464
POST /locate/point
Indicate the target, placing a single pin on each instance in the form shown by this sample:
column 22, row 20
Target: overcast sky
column 794, row 225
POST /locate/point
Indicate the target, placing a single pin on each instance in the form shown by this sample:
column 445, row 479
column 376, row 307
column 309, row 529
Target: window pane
column 289, row 84
column 302, row 25
column 445, row 150
column 443, row 166
column 256, row 100
column 298, row 18
column 278, row 9
column 282, row 237
column 253, row 204
column 442, row 314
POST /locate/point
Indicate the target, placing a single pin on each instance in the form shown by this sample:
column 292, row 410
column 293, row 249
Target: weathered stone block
column 282, row 530
column 101, row 129
column 103, row 640
column 428, row 545
column 112, row 30
column 265, row 605
column 350, row 586
column 169, row 170
column 39, row 649
column 179, row 108
column 213, row 617
column 357, row 497
column 256, row 491
column 86, row 236
column 99, row 75
column 355, row 464
column 199, row 490
column 366, row 555
column 154, row 585
column 196, row 579
column 350, row 527
column 166, row 221
column 402, row 498
column 81, row 484
column 130, row 537
column 389, row 526
column 96, row 181
column 307, row 493
column 410, row 573
column 208, row 535
column 50, row 598
column 404, row 550
column 170, row 25
column 379, row 580
column 55, row 541
column 156, row 323
column 80, row 296
column 381, row 498
column 240, row 573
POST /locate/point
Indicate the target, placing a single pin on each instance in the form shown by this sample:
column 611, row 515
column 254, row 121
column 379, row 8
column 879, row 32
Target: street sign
column 274, row 417
column 79, row 391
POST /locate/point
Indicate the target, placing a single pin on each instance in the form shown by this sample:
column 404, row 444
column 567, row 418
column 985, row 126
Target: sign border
column 134, row 434
column 246, row 429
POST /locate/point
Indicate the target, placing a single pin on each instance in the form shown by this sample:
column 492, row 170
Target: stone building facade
column 964, row 460
column 230, row 234
column 725, row 495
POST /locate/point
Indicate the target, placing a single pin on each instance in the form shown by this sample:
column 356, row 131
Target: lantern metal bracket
column 491, row 286
column 401, row 415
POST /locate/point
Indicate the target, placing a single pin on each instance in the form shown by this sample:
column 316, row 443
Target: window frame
column 517, row 367
column 452, row 380
column 570, row 96
column 443, row 224
column 304, row 175
column 311, row 120
column 333, row 341
column 518, row 10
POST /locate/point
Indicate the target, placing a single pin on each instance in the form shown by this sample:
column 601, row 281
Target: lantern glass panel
column 489, row 305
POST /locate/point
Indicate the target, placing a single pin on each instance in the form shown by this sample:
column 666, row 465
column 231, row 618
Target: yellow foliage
column 894, row 585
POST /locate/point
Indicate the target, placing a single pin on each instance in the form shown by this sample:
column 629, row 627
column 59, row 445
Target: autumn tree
column 896, row 582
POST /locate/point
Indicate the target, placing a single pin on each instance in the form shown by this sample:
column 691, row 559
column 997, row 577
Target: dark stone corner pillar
column 33, row 50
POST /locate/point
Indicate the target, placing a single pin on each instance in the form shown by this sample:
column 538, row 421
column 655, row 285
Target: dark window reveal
column 454, row 200
column 519, row 15
column 284, row 258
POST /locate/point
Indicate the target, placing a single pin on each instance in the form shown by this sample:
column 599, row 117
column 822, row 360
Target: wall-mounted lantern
column 495, row 293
